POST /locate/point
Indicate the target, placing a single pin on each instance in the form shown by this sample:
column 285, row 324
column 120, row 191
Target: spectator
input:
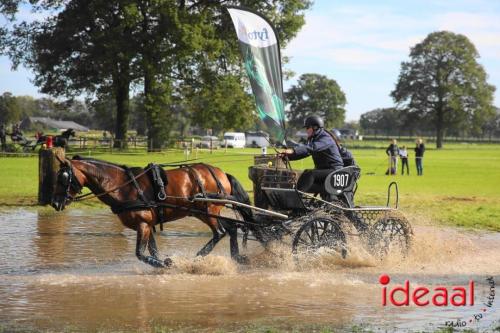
column 3, row 135
column 392, row 152
column 419, row 156
column 403, row 154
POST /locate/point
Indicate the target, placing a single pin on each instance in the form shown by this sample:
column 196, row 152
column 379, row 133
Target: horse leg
column 207, row 248
column 232, row 230
column 143, row 238
column 153, row 250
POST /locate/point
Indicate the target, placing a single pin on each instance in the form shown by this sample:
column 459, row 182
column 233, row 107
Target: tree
column 316, row 94
column 492, row 126
column 28, row 105
column 84, row 48
column 104, row 47
column 103, row 111
column 10, row 111
column 387, row 121
column 215, row 108
column 138, row 115
column 444, row 82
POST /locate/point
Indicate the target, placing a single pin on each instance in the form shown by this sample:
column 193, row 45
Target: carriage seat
column 342, row 183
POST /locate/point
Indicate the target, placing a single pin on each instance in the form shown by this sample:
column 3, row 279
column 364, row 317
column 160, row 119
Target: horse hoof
column 242, row 260
column 167, row 262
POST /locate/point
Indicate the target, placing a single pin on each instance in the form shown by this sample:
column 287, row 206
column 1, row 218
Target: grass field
column 460, row 186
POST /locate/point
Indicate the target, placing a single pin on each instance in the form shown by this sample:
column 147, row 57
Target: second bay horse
column 126, row 190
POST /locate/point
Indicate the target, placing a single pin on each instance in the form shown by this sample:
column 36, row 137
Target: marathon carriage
column 313, row 222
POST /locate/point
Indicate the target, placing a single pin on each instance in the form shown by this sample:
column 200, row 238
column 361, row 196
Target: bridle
column 66, row 177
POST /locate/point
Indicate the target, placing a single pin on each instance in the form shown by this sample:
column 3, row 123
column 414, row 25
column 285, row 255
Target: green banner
column 261, row 54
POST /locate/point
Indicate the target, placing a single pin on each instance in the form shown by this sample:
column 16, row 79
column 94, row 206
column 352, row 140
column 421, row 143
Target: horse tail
column 240, row 195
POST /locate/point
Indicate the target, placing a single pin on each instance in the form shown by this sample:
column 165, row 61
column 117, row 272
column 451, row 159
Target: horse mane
column 98, row 161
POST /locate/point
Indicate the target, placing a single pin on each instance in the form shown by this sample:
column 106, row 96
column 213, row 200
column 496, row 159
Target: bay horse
column 126, row 190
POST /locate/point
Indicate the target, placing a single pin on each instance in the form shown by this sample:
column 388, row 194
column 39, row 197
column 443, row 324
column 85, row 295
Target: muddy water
column 76, row 271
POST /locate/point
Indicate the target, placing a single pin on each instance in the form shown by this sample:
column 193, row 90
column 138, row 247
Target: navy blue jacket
column 419, row 150
column 324, row 151
column 392, row 150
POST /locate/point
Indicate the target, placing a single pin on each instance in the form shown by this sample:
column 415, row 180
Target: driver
column 325, row 154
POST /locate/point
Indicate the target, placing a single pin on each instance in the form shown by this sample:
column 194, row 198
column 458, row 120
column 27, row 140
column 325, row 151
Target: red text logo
column 406, row 294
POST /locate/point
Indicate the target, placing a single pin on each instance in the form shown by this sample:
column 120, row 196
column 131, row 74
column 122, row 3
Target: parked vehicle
column 234, row 140
column 209, row 142
column 257, row 139
column 349, row 134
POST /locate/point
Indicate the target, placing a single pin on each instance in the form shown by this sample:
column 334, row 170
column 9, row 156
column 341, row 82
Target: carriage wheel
column 317, row 233
column 390, row 235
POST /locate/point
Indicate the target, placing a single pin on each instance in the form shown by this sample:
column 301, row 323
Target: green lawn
column 460, row 186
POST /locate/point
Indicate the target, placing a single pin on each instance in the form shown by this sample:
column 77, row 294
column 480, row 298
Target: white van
column 234, row 139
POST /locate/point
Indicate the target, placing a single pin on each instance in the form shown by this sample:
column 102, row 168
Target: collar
column 317, row 133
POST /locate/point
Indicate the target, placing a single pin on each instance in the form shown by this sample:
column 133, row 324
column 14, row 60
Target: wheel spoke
column 388, row 235
column 315, row 232
column 309, row 235
column 320, row 232
column 325, row 229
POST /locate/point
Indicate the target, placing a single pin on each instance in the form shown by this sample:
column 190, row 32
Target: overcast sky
column 361, row 44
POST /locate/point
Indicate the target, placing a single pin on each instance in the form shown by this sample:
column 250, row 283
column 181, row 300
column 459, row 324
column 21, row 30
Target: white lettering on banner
column 252, row 29
column 262, row 35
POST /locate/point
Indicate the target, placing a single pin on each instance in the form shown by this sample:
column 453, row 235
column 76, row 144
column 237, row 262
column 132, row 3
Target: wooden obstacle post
column 48, row 166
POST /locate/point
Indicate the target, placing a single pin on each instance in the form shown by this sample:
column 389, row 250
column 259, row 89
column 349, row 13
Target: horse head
column 69, row 133
column 67, row 185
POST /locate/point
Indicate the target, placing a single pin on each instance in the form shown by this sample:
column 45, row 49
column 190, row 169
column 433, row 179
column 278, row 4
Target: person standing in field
column 403, row 154
column 419, row 156
column 392, row 151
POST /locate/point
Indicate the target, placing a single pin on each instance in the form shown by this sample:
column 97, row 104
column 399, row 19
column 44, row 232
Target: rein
column 133, row 178
column 92, row 195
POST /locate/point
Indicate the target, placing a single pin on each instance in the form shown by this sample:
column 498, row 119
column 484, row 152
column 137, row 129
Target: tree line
column 98, row 114
column 442, row 88
column 313, row 93
column 182, row 55
column 181, row 59
column 398, row 122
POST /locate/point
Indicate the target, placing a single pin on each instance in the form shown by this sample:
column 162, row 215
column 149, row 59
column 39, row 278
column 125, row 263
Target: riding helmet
column 313, row 121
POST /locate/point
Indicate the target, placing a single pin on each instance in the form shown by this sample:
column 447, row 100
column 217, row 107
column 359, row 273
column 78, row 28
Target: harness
column 159, row 181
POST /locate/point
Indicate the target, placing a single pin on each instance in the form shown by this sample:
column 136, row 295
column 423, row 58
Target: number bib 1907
column 340, row 181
